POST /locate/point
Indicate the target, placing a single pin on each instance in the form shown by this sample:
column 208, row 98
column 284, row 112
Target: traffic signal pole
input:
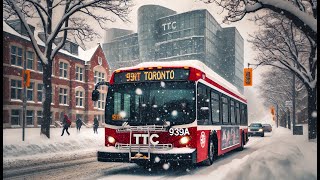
column 24, row 94
column 277, row 115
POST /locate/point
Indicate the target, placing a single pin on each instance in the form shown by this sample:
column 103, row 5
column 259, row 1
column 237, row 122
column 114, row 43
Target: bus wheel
column 211, row 153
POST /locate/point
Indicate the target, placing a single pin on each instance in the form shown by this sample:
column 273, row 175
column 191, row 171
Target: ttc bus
column 171, row 111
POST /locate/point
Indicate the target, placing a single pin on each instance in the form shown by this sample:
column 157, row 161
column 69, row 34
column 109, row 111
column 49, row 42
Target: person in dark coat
column 79, row 124
column 95, row 125
column 66, row 124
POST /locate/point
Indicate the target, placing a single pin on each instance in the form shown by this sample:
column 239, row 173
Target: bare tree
column 276, row 87
column 74, row 19
column 281, row 44
column 303, row 13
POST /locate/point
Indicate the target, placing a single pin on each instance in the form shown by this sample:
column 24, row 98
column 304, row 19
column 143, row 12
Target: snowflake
column 162, row 84
column 314, row 114
column 138, row 91
column 174, row 113
column 166, row 166
column 149, row 169
column 157, row 159
column 122, row 114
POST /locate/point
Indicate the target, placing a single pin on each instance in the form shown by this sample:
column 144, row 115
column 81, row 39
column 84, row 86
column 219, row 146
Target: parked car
column 256, row 129
column 267, row 127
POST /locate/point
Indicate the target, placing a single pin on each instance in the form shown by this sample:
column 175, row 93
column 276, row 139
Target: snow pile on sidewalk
column 283, row 156
column 36, row 149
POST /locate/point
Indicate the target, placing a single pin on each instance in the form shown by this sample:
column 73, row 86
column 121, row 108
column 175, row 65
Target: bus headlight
column 184, row 140
column 260, row 130
column 111, row 140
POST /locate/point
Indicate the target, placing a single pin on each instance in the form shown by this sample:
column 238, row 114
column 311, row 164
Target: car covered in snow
column 267, row 127
column 256, row 129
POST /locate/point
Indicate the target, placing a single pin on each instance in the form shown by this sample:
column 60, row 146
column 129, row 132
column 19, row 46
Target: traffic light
column 26, row 78
column 247, row 77
column 272, row 110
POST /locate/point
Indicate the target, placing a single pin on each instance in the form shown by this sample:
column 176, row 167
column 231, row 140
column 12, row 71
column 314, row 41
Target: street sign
column 288, row 104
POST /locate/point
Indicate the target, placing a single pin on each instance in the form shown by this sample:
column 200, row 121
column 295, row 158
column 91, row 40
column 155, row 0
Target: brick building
column 74, row 75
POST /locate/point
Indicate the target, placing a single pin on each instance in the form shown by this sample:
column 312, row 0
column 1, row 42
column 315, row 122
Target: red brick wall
column 10, row 72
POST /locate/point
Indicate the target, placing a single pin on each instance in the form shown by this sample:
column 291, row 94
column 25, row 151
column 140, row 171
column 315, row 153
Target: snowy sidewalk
column 36, row 149
column 280, row 156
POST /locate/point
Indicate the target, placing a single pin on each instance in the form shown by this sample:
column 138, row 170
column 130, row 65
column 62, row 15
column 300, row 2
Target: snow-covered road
column 89, row 168
column 278, row 155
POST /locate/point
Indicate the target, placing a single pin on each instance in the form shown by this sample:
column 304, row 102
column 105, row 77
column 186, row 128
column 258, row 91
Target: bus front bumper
column 111, row 154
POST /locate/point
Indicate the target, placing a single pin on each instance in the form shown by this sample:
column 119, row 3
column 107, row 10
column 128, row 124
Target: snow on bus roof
column 190, row 63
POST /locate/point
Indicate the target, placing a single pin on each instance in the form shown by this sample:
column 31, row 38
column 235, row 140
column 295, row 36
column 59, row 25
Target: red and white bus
column 171, row 111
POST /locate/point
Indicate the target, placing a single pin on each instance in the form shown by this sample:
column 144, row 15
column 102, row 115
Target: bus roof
column 190, row 63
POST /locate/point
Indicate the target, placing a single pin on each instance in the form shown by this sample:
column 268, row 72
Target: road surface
column 89, row 168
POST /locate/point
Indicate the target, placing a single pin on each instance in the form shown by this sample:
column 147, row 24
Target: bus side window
column 215, row 107
column 225, row 110
column 232, row 114
column 237, row 113
column 203, row 105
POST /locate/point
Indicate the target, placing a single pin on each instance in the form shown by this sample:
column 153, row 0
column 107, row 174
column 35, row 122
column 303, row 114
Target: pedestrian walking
column 95, row 125
column 79, row 124
column 66, row 124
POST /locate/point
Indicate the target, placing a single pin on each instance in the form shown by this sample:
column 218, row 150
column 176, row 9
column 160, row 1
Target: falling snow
column 174, row 113
column 314, row 114
column 157, row 159
column 138, row 91
column 166, row 166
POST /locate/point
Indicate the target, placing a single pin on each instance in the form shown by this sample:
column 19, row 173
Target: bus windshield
column 151, row 103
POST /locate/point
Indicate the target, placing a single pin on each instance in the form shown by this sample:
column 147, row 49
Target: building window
column 98, row 77
column 39, row 117
column 63, row 94
column 30, row 60
column 16, row 56
column 79, row 73
column 101, row 102
column 39, row 92
column 39, row 66
column 15, row 117
column 30, row 92
column 79, row 98
column 63, row 70
column 16, row 89
column 29, row 117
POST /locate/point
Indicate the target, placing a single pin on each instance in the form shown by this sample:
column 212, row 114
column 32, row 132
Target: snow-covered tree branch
column 303, row 13
column 62, row 20
column 283, row 45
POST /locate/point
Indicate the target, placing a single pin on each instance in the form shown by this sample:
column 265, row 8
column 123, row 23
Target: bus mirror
column 95, row 95
column 204, row 108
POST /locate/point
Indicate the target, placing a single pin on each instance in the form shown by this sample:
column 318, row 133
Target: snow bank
column 282, row 156
column 38, row 148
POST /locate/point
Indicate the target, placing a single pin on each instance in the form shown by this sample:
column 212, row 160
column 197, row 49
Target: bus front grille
column 143, row 147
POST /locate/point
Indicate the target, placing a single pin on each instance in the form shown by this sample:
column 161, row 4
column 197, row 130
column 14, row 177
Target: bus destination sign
column 152, row 75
